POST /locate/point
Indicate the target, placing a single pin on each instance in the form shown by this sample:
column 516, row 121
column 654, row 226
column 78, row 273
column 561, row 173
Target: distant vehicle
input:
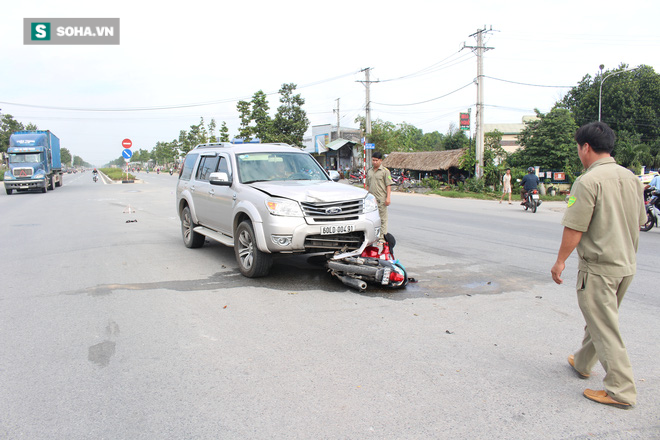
column 34, row 162
column 265, row 199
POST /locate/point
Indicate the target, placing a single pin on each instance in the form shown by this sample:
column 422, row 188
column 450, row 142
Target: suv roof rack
column 213, row 144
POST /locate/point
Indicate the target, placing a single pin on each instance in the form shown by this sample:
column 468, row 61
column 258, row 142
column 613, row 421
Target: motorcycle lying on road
column 531, row 200
column 369, row 264
column 652, row 211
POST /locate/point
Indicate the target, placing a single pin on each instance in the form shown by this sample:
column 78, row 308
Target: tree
column 65, row 156
column 494, row 155
column 245, row 115
column 142, row 156
column 8, row 125
column 383, row 135
column 224, row 132
column 212, row 126
column 291, row 122
column 433, row 141
column 263, row 125
column 455, row 138
column 549, row 142
column 630, row 152
column 165, row 152
column 630, row 102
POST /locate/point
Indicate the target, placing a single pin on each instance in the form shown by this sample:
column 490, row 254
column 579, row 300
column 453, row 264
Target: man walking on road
column 379, row 183
column 602, row 220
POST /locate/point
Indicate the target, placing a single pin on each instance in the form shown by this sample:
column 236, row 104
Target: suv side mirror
column 334, row 175
column 219, row 178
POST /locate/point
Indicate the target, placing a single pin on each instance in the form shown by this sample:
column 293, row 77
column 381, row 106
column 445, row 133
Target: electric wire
column 428, row 100
column 168, row 107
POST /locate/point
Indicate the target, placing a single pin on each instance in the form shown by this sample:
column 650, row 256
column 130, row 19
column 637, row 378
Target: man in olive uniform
column 379, row 183
column 602, row 220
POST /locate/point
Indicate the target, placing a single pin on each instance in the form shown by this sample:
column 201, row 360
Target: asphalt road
column 112, row 329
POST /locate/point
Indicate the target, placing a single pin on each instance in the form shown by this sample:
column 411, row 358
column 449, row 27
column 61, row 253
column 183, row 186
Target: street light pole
column 600, row 93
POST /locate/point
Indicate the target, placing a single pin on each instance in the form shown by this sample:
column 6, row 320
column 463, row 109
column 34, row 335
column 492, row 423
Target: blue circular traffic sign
column 127, row 153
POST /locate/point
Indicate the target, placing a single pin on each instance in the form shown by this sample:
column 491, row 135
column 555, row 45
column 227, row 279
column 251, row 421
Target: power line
column 428, row 100
column 168, row 107
column 526, row 84
column 432, row 68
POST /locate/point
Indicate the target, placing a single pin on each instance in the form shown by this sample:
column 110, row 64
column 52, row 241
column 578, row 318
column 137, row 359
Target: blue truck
column 34, row 162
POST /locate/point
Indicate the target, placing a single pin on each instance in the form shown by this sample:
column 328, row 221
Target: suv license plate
column 337, row 229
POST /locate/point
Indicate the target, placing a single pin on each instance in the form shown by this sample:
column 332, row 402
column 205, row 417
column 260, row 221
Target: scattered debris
column 131, row 221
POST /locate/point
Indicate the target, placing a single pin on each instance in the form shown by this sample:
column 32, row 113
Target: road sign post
column 127, row 154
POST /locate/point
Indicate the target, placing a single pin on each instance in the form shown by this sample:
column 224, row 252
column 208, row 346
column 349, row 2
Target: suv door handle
column 192, row 188
column 211, row 191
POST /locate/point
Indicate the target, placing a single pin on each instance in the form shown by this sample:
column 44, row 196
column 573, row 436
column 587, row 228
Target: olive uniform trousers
column 599, row 298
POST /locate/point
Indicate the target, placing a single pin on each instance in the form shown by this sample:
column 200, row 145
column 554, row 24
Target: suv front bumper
column 294, row 234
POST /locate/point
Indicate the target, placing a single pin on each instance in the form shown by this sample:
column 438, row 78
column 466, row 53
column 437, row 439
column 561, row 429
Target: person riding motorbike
column 529, row 182
column 654, row 184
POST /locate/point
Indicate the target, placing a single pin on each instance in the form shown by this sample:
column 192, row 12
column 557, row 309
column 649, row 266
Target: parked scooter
column 652, row 211
column 356, row 177
column 531, row 200
column 369, row 264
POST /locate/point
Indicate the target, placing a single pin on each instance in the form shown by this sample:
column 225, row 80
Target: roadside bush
column 475, row 185
column 429, row 182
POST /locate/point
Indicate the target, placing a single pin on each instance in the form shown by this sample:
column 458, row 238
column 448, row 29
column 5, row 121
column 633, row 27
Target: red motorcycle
column 356, row 177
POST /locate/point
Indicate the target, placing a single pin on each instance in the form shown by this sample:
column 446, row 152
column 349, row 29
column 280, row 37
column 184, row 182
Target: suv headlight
column 284, row 207
column 370, row 203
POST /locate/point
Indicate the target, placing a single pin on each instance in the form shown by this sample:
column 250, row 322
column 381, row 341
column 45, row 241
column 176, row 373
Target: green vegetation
column 116, row 174
column 288, row 126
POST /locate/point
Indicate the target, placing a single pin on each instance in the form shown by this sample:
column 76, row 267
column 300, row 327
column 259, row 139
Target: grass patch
column 116, row 174
column 490, row 196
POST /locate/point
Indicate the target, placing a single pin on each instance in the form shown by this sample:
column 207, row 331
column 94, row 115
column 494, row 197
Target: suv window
column 187, row 169
column 207, row 166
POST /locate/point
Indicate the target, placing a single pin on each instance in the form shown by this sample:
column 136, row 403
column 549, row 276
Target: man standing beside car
column 602, row 220
column 379, row 183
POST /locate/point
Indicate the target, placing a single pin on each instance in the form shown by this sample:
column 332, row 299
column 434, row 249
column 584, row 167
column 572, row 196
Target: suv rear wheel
column 251, row 261
column 191, row 238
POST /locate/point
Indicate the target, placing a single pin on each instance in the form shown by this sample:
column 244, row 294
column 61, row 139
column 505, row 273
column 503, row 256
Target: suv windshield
column 264, row 167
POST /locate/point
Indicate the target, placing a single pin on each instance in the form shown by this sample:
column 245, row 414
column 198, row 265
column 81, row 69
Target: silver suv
column 265, row 199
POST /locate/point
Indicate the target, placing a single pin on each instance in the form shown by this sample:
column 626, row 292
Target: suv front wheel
column 251, row 261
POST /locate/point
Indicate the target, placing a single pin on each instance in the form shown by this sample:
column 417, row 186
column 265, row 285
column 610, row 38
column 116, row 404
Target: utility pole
column 479, row 130
column 367, row 82
column 337, row 111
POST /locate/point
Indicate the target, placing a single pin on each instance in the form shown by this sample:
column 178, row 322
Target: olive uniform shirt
column 606, row 204
column 378, row 181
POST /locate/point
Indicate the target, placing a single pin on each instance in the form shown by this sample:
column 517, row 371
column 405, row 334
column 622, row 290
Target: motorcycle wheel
column 534, row 205
column 650, row 221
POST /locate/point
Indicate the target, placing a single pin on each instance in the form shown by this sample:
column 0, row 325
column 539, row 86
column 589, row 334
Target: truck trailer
column 34, row 162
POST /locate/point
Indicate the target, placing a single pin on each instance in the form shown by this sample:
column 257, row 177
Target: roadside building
column 510, row 133
column 335, row 149
column 442, row 165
